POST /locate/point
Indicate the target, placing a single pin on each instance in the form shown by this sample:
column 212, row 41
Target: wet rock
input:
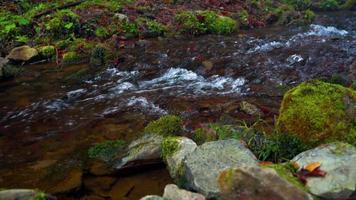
column 121, row 17
column 99, row 185
column 152, row 197
column 316, row 111
column 179, row 148
column 99, row 168
column 208, row 65
column 23, row 194
column 23, row 53
column 71, row 182
column 250, row 109
column 3, row 62
column 256, row 183
column 338, row 160
column 143, row 151
column 172, row 192
column 203, row 166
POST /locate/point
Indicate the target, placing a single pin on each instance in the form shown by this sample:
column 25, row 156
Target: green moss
column 61, row 24
column 106, row 150
column 309, row 16
column 130, row 29
column 243, row 18
column 215, row 132
column 102, row 32
column 39, row 196
column 329, row 5
column 222, row 25
column 348, row 4
column 300, row 4
column 155, row 28
column 47, row 51
column 189, row 23
column 169, row 146
column 167, row 125
column 70, row 57
column 99, row 55
column 286, row 172
column 319, row 112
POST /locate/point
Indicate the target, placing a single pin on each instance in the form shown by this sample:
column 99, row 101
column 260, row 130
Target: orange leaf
column 265, row 163
column 312, row 166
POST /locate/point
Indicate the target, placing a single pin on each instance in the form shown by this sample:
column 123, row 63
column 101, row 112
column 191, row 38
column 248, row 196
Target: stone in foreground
column 203, row 166
column 172, row 192
column 256, row 183
column 338, row 160
column 151, row 197
column 23, row 194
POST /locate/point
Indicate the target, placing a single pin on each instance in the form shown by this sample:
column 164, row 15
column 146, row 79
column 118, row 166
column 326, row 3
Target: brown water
column 49, row 116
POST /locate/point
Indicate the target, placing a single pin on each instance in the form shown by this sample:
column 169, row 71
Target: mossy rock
column 319, row 112
column 71, row 57
column 166, row 126
column 47, row 51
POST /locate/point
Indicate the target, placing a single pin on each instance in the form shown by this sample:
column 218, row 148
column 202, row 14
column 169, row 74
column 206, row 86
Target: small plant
column 243, row 18
column 106, row 150
column 169, row 146
column 130, row 29
column 155, row 28
column 300, row 4
column 47, row 51
column 39, row 196
column 189, row 23
column 70, row 58
column 167, row 125
column 329, row 5
column 22, row 39
column 309, row 15
column 101, row 32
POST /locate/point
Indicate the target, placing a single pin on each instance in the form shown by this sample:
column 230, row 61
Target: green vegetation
column 167, row 125
column 47, row 51
column 319, row 112
column 169, row 146
column 99, row 55
column 106, row 150
column 70, row 57
column 39, row 196
column 201, row 22
column 329, row 5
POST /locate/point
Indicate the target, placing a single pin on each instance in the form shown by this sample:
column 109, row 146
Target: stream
column 49, row 116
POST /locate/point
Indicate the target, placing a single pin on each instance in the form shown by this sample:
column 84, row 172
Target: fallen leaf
column 312, row 166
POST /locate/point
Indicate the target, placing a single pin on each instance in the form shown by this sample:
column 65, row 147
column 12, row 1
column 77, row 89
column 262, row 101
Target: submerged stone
column 24, row 194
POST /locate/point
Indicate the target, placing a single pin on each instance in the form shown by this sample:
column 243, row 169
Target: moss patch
column 166, row 125
column 106, row 150
column 169, row 146
column 319, row 112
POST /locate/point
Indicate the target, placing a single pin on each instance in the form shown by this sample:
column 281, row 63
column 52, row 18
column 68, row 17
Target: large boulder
column 172, row 192
column 202, row 167
column 338, row 160
column 319, row 112
column 23, row 53
column 256, row 183
column 143, row 151
column 152, row 197
column 174, row 150
column 23, row 194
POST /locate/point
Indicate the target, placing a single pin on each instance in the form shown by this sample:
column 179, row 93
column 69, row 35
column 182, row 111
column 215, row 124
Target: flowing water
column 49, row 116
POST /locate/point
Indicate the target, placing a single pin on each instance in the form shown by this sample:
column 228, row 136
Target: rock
column 71, row 182
column 317, row 112
column 338, row 160
column 100, row 186
column 23, row 53
column 203, row 166
column 3, row 62
column 172, row 192
column 256, row 183
column 208, row 65
column 23, row 194
column 250, row 109
column 121, row 17
column 143, row 151
column 152, row 197
column 178, row 148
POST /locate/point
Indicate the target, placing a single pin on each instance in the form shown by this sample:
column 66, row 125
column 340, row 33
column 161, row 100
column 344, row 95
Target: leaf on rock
column 310, row 170
column 312, row 166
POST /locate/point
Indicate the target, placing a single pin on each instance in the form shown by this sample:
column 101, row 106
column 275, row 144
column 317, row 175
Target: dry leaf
column 312, row 166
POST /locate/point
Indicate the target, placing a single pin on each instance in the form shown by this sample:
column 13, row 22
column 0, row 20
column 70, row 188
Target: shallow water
column 49, row 116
